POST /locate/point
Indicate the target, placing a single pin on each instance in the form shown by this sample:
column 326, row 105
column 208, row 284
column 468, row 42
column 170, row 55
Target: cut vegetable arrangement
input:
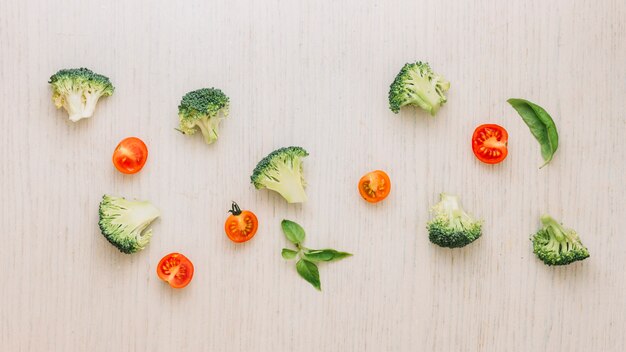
column 125, row 223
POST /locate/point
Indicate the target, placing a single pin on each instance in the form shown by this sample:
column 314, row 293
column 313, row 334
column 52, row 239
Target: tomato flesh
column 176, row 270
column 241, row 226
column 130, row 155
column 489, row 143
column 374, row 186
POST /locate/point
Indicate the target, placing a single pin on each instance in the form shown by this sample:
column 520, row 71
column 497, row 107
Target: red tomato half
column 489, row 143
column 374, row 186
column 130, row 155
column 176, row 270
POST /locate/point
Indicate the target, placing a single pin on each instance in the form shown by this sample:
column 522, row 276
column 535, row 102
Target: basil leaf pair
column 306, row 265
column 541, row 126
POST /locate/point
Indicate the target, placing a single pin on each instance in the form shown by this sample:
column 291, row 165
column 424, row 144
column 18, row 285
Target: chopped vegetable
column 557, row 245
column 417, row 85
column 130, row 155
column 176, row 270
column 241, row 225
column 489, row 143
column 203, row 109
column 281, row 171
column 451, row 226
column 124, row 223
column 541, row 126
column 374, row 186
column 78, row 90
column 306, row 265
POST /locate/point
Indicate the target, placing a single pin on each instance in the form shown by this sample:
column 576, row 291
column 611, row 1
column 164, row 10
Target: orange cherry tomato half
column 241, row 225
column 130, row 155
column 374, row 186
column 489, row 143
column 176, row 270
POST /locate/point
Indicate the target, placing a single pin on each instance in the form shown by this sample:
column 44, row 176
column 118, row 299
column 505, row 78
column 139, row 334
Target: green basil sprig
column 541, row 126
column 307, row 257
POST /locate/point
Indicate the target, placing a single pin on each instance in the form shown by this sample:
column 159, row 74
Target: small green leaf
column 288, row 253
column 325, row 255
column 541, row 126
column 294, row 232
column 309, row 272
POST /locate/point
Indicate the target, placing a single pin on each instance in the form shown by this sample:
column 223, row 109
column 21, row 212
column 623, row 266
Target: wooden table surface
column 314, row 74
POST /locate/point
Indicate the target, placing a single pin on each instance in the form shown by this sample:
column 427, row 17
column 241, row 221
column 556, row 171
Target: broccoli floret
column 451, row 226
column 77, row 90
column 557, row 245
column 416, row 84
column 201, row 109
column 123, row 222
column 281, row 171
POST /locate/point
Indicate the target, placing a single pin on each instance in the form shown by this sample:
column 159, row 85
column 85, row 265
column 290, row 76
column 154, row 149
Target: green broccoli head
column 417, row 85
column 557, row 245
column 451, row 226
column 78, row 90
column 203, row 109
column 123, row 222
column 281, row 171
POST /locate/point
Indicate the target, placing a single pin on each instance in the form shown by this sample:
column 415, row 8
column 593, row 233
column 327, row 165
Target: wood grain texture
column 314, row 74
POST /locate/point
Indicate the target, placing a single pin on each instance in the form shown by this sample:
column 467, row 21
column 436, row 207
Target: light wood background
column 314, row 74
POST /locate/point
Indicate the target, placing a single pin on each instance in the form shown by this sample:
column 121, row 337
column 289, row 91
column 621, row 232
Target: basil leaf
column 293, row 232
column 288, row 253
column 309, row 272
column 325, row 255
column 541, row 126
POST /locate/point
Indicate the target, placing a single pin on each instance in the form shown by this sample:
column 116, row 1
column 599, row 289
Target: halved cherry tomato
column 130, row 155
column 241, row 225
column 374, row 186
column 489, row 143
column 176, row 270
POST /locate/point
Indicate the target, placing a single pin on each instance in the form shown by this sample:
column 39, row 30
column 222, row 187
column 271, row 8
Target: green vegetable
column 451, row 226
column 417, row 85
column 281, row 171
column 557, row 245
column 309, row 272
column 78, row 90
column 307, row 257
column 288, row 253
column 541, row 126
column 124, row 223
column 203, row 109
column 294, row 232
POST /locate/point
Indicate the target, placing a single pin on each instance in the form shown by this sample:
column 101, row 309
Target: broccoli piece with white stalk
column 78, row 90
column 451, row 226
column 417, row 85
column 203, row 109
column 555, row 244
column 124, row 222
column 281, row 171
